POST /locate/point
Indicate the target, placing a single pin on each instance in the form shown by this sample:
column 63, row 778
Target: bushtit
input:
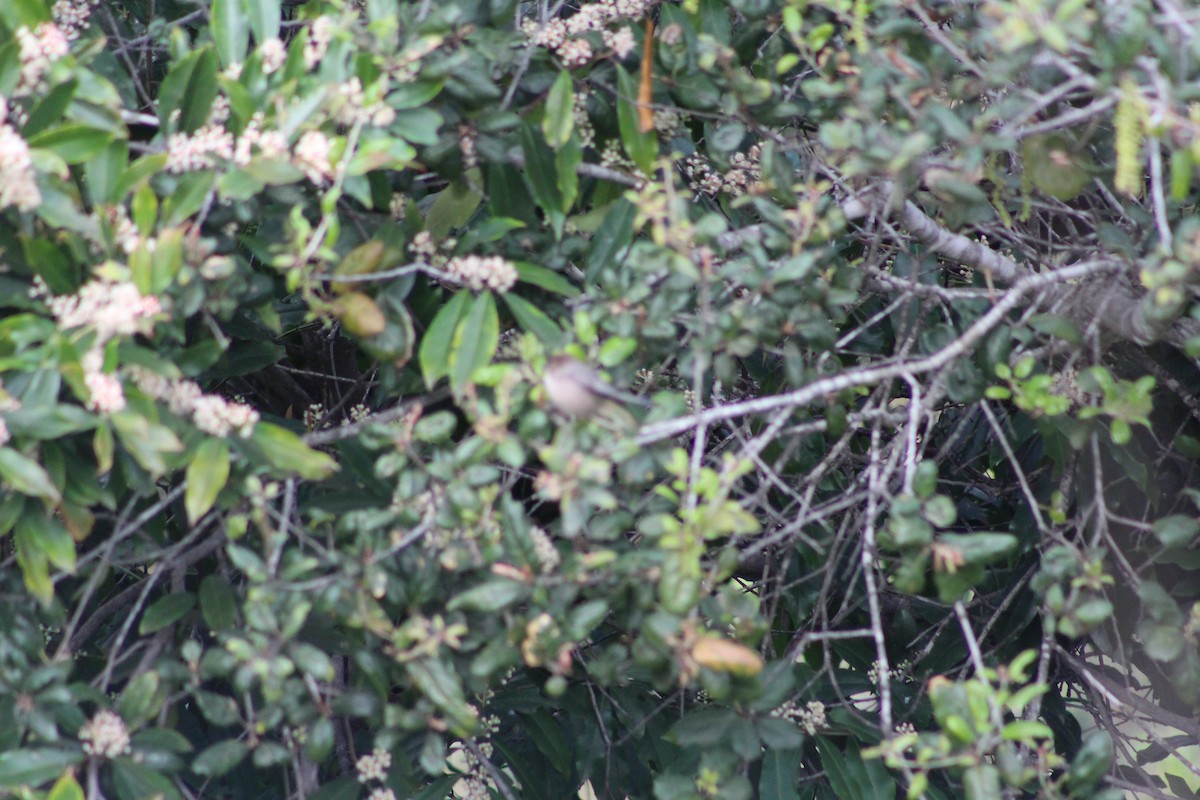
column 577, row 390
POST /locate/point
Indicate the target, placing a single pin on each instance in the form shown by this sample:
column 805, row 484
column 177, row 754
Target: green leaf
column 189, row 87
column 104, row 172
column 288, row 453
column 49, row 109
column 218, row 604
column 49, row 537
column 778, row 778
column 165, row 611
column 475, row 340
column 850, row 776
column 779, row 734
column 434, row 355
column 541, row 176
column 206, row 476
column 545, row 278
column 220, row 758
column 1026, row 730
column 73, row 142
column 559, row 118
column 1176, row 530
column 704, row 728
column 549, row 737
column 264, row 18
column 566, row 162
column 137, row 703
column 33, row 766
column 26, row 476
column 230, row 29
column 616, row 350
column 982, row 782
column 454, row 206
column 134, row 781
column 491, row 596
column 612, row 238
column 188, row 198
column 534, row 320
column 146, row 441
column 641, row 147
column 66, row 788
column 24, row 12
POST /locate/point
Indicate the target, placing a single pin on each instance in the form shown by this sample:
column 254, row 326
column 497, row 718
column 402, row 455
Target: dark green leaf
column 220, row 758
column 166, row 611
column 34, row 766
column 218, row 604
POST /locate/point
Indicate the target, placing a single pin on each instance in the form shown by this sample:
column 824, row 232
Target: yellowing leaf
column 722, row 655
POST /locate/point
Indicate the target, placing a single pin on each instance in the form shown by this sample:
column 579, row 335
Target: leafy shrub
column 288, row 511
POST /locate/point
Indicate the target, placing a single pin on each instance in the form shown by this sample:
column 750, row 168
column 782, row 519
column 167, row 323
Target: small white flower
column 273, row 55
column 105, row 735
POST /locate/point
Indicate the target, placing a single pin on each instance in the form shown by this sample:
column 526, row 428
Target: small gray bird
column 577, row 390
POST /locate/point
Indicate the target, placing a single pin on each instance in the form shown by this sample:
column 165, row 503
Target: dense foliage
column 910, row 287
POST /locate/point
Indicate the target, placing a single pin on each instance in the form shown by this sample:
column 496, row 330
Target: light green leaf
column 287, row 452
column 434, row 355
column 546, row 279
column 26, row 476
column 264, row 18
column 641, row 147
column 475, row 340
column 534, row 320
column 559, row 118
column 49, row 537
column 206, row 476
column 146, row 441
column 230, row 29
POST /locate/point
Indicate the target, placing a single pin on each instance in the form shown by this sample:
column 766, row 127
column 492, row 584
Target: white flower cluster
column 319, row 35
column 565, row 36
column 39, row 49
column 583, row 123
column 125, row 233
column 312, row 156
column 620, row 42
column 105, row 393
column 7, row 403
column 544, row 550
column 483, row 272
column 467, row 145
column 105, row 735
column 353, row 106
column 111, row 308
column 812, row 717
column 743, row 173
column 71, row 16
column 612, row 156
column 273, row 54
column 270, row 144
column 18, row 180
column 210, row 413
column 374, row 765
column 200, row 150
